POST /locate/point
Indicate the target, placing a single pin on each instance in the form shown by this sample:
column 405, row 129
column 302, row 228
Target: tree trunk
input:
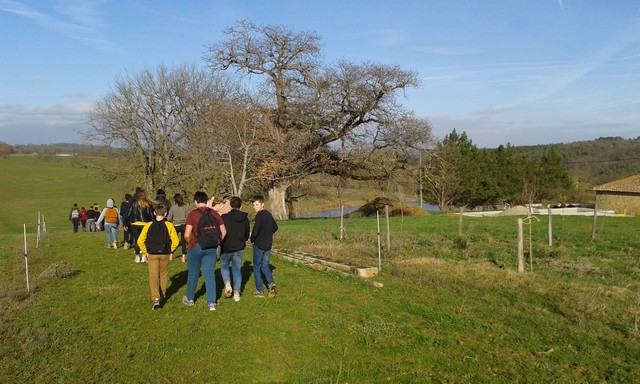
column 277, row 201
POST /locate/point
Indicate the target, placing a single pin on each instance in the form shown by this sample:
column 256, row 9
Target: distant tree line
column 458, row 174
column 594, row 162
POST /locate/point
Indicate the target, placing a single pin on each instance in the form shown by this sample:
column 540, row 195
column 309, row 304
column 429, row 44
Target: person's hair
column 138, row 190
column 235, row 202
column 259, row 198
column 143, row 200
column 179, row 199
column 127, row 196
column 82, row 208
column 200, row 197
column 160, row 191
column 75, row 204
column 160, row 209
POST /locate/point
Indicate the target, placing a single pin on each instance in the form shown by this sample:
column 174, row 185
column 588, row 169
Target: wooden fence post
column 386, row 214
column 549, row 225
column 595, row 216
column 520, row 248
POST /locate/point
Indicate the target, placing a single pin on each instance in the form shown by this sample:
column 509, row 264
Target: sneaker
column 258, row 294
column 144, row 259
column 272, row 290
column 227, row 290
column 212, row 306
column 156, row 304
column 187, row 302
column 126, row 245
column 115, row 246
column 137, row 259
column 236, row 296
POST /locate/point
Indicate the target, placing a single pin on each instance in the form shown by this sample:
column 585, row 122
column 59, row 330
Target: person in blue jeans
column 232, row 248
column 262, row 239
column 111, row 217
column 201, row 258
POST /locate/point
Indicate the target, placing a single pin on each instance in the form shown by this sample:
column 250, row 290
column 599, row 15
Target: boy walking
column 197, row 256
column 232, row 247
column 262, row 239
column 157, row 241
column 74, row 217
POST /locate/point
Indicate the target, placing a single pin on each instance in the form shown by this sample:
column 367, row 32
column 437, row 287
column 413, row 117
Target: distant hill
column 591, row 162
column 597, row 161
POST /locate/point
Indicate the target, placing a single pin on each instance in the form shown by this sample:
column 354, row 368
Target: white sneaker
column 126, row 245
column 115, row 246
column 227, row 290
column 144, row 259
column 137, row 259
column 236, row 296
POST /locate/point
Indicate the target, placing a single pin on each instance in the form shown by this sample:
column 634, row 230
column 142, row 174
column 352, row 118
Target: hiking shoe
column 236, row 296
column 137, row 259
column 156, row 304
column 227, row 290
column 212, row 306
column 187, row 302
column 272, row 290
column 258, row 294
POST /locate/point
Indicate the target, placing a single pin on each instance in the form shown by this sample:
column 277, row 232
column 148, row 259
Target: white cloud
column 78, row 20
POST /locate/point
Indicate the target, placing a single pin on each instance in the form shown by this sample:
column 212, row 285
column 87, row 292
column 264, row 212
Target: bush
column 395, row 208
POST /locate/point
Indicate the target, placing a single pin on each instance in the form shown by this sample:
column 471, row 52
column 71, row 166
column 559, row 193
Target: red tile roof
column 630, row 184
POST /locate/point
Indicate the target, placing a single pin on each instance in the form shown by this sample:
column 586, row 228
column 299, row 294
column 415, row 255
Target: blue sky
column 523, row 72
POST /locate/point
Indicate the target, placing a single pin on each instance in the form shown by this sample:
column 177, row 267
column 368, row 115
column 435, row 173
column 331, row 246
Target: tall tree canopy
column 167, row 121
column 314, row 110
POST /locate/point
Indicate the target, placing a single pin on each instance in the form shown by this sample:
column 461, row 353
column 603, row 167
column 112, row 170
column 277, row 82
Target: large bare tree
column 311, row 109
column 162, row 120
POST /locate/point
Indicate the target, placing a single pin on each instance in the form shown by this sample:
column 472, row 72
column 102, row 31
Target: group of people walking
column 155, row 228
column 87, row 219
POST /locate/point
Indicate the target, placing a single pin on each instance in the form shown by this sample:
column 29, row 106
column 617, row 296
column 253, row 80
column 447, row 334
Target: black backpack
column 208, row 234
column 158, row 241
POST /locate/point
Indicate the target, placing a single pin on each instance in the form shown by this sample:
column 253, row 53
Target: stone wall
column 620, row 202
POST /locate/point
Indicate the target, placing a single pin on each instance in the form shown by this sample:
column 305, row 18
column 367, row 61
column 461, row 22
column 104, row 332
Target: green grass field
column 452, row 309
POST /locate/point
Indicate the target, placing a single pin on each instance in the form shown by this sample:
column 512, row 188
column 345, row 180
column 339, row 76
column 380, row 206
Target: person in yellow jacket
column 157, row 241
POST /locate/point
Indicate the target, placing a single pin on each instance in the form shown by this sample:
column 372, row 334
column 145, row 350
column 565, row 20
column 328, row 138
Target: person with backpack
column 204, row 230
column 74, row 217
column 158, row 239
column 232, row 248
column 262, row 239
column 111, row 218
column 140, row 213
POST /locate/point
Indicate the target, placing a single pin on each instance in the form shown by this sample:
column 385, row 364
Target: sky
column 519, row 72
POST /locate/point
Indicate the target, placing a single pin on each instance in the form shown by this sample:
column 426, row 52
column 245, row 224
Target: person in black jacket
column 232, row 247
column 140, row 213
column 125, row 206
column 262, row 238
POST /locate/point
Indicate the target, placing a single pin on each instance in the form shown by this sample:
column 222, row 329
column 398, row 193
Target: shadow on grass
column 177, row 281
